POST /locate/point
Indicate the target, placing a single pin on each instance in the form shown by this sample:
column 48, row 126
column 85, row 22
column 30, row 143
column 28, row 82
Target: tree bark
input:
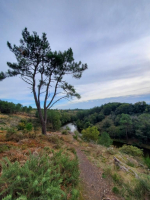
column 44, row 128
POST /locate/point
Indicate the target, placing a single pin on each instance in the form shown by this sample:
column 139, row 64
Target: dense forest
column 120, row 120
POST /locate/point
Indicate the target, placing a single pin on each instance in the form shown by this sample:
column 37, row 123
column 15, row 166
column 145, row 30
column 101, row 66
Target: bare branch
column 57, row 101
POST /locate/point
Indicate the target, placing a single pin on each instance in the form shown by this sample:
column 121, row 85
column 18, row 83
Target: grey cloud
column 102, row 33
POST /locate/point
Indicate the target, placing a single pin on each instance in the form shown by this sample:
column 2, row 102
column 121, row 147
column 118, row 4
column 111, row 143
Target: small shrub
column 147, row 161
column 67, row 128
column 29, row 127
column 115, row 190
column 134, row 151
column 90, row 133
column 104, row 175
column 105, row 139
column 64, row 132
column 21, row 126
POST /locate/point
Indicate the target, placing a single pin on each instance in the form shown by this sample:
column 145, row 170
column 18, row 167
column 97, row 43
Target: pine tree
column 44, row 71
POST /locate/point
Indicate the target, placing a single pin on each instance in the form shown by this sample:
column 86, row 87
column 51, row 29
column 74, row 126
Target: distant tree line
column 10, row 108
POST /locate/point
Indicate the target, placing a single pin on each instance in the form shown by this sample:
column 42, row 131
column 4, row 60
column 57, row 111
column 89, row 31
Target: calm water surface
column 71, row 126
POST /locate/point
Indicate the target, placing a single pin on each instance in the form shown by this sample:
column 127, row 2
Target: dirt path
column 94, row 186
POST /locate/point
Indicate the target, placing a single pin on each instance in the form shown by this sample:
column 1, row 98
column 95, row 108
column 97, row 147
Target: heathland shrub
column 39, row 178
column 134, row 151
column 64, row 132
column 90, row 133
column 21, row 126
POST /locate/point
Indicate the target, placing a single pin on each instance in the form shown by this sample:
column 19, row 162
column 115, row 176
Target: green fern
column 39, row 178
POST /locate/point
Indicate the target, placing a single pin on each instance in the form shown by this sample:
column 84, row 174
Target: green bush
column 134, row 151
column 39, row 178
column 29, row 127
column 90, row 133
column 105, row 139
column 64, row 132
column 67, row 128
column 115, row 190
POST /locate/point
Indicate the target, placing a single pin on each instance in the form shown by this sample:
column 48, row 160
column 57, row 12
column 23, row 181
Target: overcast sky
column 111, row 36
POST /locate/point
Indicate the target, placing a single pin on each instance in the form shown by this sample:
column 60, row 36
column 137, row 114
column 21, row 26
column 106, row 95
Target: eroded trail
column 94, row 186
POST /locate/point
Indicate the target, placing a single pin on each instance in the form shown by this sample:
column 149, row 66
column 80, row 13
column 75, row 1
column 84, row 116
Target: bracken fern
column 39, row 178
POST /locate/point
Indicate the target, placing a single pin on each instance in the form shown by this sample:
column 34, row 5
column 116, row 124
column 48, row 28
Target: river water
column 71, row 126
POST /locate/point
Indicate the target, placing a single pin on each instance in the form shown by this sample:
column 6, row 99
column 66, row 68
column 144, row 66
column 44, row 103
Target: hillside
column 105, row 173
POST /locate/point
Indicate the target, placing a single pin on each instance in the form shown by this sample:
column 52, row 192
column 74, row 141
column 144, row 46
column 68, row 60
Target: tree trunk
column 44, row 128
column 43, row 122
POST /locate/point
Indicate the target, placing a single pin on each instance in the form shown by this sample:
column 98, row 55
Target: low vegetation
column 39, row 178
